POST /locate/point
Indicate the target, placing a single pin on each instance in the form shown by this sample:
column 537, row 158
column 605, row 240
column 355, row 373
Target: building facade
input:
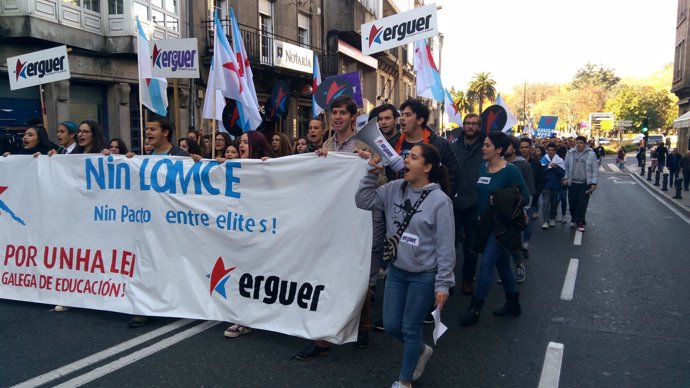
column 280, row 37
column 681, row 75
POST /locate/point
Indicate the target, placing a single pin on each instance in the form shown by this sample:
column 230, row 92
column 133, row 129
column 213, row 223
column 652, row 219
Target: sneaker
column 558, row 218
column 545, row 225
column 378, row 326
column 580, row 227
column 421, row 363
column 429, row 318
column 564, row 220
column 398, row 384
column 552, row 222
column 362, row 340
column 60, row 309
column 520, row 273
column 311, row 351
column 236, row 331
column 573, row 225
column 525, row 254
column 138, row 321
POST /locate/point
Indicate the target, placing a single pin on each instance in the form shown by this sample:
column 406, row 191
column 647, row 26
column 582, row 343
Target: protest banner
column 175, row 58
column 38, row 67
column 546, row 126
column 399, row 29
column 276, row 245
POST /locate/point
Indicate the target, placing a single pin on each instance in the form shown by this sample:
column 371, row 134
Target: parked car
column 654, row 140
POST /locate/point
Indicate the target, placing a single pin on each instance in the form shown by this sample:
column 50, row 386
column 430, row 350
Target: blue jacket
column 553, row 178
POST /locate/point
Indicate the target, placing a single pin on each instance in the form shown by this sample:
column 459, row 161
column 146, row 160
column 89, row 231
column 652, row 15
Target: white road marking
column 136, row 356
column 601, row 169
column 613, row 167
column 97, row 357
column 658, row 197
column 551, row 371
column 569, row 284
column 578, row 238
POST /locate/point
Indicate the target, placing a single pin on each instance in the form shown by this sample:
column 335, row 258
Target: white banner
column 38, row 67
column 399, row 29
column 276, row 245
column 175, row 58
column 293, row 57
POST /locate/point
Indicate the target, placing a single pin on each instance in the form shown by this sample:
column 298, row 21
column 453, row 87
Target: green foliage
column 481, row 88
column 461, row 101
column 595, row 75
column 637, row 103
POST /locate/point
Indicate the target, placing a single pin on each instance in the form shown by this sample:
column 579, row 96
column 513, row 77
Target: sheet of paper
column 439, row 327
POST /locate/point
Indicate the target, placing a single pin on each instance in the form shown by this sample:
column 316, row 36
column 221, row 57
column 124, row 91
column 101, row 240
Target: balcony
column 259, row 45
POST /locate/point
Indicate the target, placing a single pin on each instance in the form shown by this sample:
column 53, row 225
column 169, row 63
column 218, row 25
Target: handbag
column 390, row 246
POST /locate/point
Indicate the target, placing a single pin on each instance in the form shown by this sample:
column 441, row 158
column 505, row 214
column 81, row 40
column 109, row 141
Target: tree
column 595, row 75
column 481, row 88
column 461, row 101
column 637, row 103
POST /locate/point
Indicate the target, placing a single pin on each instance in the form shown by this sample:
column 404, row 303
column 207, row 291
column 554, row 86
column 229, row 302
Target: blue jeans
column 494, row 256
column 406, row 301
column 527, row 234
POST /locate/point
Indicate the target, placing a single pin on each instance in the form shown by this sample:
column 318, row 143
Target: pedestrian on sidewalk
column 672, row 163
column 621, row 159
column 661, row 153
column 684, row 165
column 420, row 225
column 498, row 185
column 582, row 176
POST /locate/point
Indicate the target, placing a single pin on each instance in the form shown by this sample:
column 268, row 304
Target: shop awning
column 683, row 121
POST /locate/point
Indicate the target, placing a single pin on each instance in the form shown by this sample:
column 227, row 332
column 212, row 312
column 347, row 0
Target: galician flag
column 242, row 59
column 315, row 82
column 153, row 92
column 208, row 111
column 510, row 117
column 451, row 109
column 428, row 79
column 227, row 79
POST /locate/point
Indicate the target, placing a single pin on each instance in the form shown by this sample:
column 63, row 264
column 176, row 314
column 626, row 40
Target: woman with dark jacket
column 35, row 142
column 495, row 176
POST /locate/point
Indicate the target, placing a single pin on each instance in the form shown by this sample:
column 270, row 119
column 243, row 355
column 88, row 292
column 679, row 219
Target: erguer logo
column 39, row 68
column 398, row 31
column 173, row 59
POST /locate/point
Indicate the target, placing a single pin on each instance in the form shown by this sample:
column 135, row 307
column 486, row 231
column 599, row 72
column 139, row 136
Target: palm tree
column 481, row 88
column 461, row 101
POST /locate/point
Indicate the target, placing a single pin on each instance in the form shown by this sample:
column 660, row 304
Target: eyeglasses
column 467, row 124
column 84, row 131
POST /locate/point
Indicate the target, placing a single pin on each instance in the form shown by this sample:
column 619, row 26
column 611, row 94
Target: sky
column 549, row 40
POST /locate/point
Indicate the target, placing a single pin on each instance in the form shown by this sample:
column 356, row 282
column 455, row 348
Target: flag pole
column 177, row 109
column 213, row 127
column 43, row 107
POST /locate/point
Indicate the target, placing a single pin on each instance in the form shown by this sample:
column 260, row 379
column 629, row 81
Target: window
column 92, row 5
column 75, row 3
column 115, row 7
column 679, row 63
column 303, row 30
column 163, row 13
column 266, row 29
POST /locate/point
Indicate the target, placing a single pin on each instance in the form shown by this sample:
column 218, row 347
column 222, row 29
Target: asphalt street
column 626, row 325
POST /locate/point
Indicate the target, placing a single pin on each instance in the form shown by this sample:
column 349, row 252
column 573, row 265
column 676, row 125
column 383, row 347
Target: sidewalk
column 682, row 204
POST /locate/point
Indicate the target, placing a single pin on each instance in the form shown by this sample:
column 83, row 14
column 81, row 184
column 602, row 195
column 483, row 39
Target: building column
column 183, row 125
column 118, row 114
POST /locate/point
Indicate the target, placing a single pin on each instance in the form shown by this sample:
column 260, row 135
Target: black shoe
column 311, row 351
column 378, row 326
column 512, row 306
column 429, row 318
column 525, row 254
column 471, row 316
column 138, row 321
column 362, row 340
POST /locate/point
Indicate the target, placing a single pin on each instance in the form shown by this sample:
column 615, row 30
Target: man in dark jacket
column 468, row 153
column 672, row 164
column 661, row 153
column 159, row 132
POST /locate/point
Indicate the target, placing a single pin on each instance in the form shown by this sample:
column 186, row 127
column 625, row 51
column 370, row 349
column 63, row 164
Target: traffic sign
column 624, row 123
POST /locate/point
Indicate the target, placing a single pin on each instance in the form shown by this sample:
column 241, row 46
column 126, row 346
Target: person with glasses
column 582, row 175
column 90, row 139
column 468, row 154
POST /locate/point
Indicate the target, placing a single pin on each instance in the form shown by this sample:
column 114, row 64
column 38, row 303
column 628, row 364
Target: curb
column 668, row 199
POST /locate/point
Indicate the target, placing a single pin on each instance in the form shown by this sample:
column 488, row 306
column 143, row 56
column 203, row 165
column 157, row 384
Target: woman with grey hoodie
column 425, row 259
